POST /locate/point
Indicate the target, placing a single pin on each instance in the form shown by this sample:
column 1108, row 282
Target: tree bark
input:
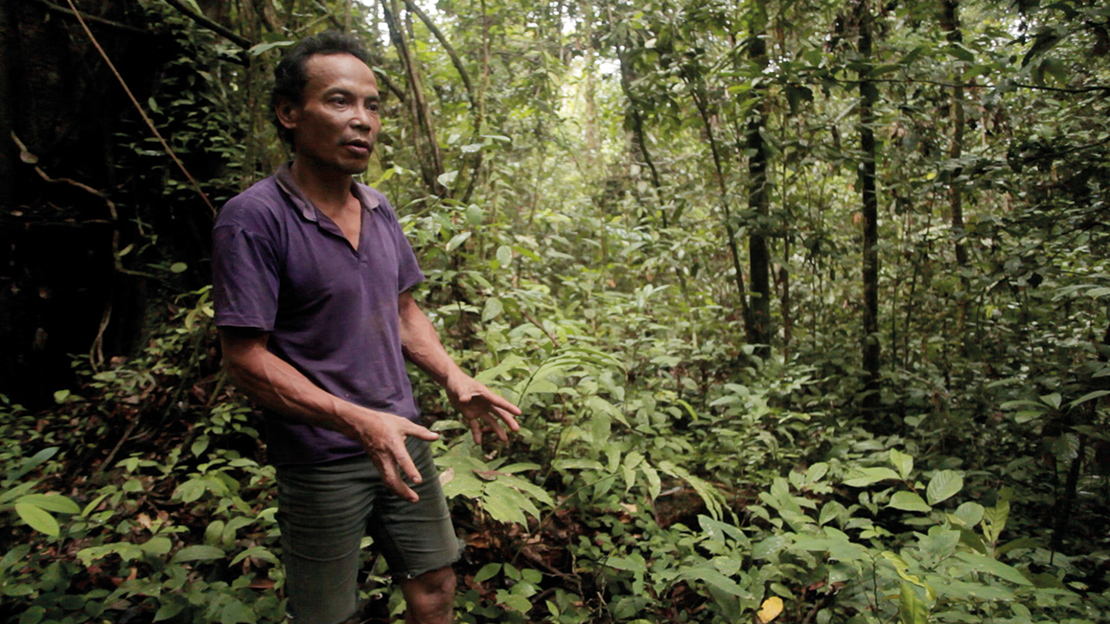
column 868, row 94
column 950, row 21
column 759, row 327
column 472, row 162
column 427, row 149
column 7, row 146
column 702, row 104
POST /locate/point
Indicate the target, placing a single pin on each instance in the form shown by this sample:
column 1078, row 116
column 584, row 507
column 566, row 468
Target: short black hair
column 290, row 78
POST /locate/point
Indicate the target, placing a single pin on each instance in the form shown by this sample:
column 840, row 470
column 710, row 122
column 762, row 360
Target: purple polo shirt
column 281, row 266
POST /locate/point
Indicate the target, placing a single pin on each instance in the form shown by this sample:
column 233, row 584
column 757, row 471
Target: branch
column 533, row 320
column 138, row 107
column 1061, row 90
column 237, row 39
column 450, row 51
column 329, row 15
column 474, row 108
column 389, row 84
column 967, row 85
column 92, row 18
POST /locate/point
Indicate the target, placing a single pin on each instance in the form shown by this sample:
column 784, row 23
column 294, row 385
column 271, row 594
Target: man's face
column 335, row 126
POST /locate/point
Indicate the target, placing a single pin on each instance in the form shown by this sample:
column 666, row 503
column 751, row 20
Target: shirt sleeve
column 408, row 269
column 245, row 278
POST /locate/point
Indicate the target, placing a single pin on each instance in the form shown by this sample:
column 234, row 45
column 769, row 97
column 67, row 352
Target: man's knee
column 430, row 596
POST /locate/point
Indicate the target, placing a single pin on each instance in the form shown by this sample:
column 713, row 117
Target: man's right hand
column 275, row 384
column 383, row 436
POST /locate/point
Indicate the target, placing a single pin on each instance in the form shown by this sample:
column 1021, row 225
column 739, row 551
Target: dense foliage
column 771, row 368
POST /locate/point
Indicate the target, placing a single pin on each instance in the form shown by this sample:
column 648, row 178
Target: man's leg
column 419, row 542
column 430, row 597
column 322, row 515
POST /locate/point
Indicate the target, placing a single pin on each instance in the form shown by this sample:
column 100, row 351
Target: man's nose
column 362, row 118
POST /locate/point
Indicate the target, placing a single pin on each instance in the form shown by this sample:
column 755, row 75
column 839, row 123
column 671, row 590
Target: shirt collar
column 284, row 179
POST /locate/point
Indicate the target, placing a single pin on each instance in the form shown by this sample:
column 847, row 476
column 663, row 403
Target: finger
column 475, row 430
column 418, row 431
column 496, row 426
column 506, row 416
column 495, row 400
column 405, row 463
column 394, row 482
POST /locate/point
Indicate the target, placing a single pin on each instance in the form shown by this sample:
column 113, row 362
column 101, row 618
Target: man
column 311, row 277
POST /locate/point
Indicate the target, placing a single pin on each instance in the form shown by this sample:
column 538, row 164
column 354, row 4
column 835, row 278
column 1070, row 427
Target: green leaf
column 911, row 609
column 169, row 610
column 863, row 477
column 1087, row 397
column 903, row 462
column 944, row 485
column 970, row 514
column 987, row 565
column 157, row 546
column 258, row 552
column 504, row 255
column 198, row 553
column 386, row 175
column 519, row 604
column 199, row 445
column 633, row 563
column 492, row 309
column 711, row 577
column 37, row 459
column 816, row 472
column 261, row 48
column 475, row 215
column 908, row 501
column 51, row 502
column 38, row 519
column 1053, row 399
column 457, row 240
column 487, row 572
column 32, row 615
column 178, row 267
column 447, row 178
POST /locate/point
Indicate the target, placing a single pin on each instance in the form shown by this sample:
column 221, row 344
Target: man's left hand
column 482, row 408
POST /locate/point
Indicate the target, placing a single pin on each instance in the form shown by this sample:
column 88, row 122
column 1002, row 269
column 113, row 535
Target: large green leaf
column 911, row 610
column 863, row 477
column 944, row 485
column 199, row 552
column 903, row 462
column 37, row 518
column 994, row 567
column 908, row 501
column 51, row 502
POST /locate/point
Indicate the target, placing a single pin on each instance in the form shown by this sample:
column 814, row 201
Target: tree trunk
column 868, row 94
column 759, row 327
column 701, row 101
column 427, row 149
column 8, row 152
column 950, row 21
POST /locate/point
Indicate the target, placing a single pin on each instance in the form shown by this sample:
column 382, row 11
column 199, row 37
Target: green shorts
column 325, row 509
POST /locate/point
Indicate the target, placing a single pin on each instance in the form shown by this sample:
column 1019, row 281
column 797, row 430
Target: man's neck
column 329, row 191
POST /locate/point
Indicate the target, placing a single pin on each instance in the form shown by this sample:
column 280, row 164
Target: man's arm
column 278, row 386
column 477, row 403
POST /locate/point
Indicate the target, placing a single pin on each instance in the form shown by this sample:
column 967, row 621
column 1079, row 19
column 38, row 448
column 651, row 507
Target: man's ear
column 287, row 113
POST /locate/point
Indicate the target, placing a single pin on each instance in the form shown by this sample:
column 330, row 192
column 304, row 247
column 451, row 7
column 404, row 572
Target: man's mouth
column 359, row 145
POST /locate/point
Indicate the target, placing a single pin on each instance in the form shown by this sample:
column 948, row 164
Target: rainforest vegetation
column 807, row 304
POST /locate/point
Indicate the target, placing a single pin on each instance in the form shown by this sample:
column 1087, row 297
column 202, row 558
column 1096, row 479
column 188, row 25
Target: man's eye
column 372, row 106
column 339, row 101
